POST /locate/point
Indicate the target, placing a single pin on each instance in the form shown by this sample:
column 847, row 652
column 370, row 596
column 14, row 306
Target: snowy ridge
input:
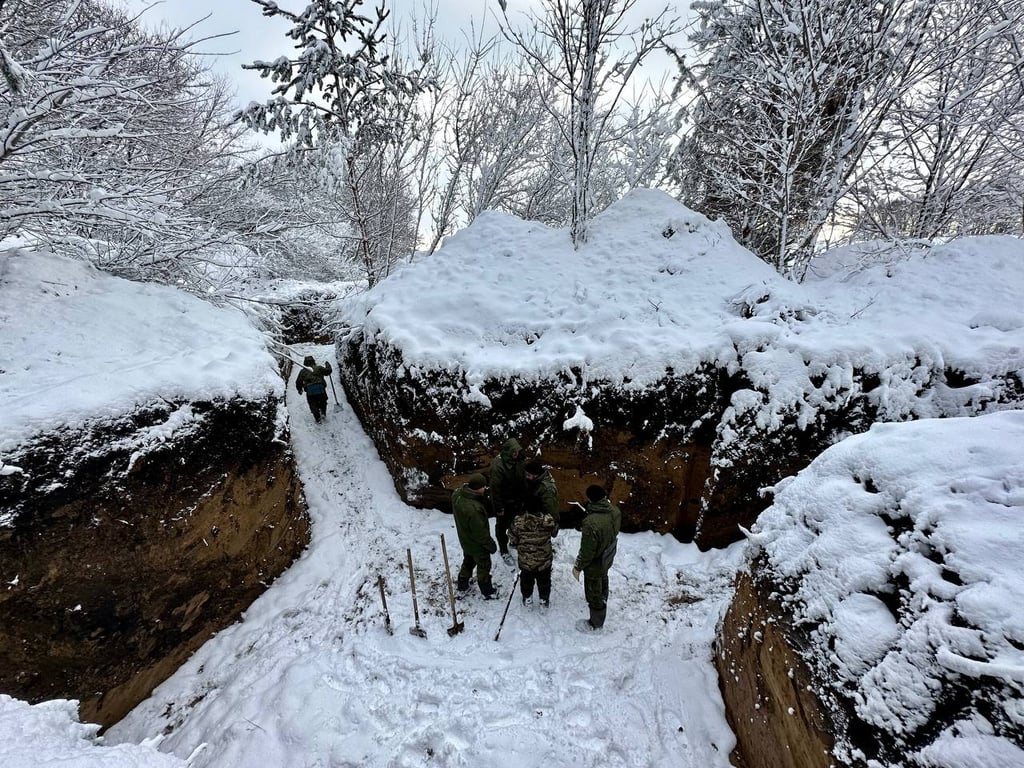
column 661, row 287
column 81, row 345
column 310, row 677
column 899, row 550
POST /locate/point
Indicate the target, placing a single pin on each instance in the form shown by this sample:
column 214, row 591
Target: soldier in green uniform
column 312, row 381
column 600, row 532
column 507, row 486
column 469, row 503
column 541, row 494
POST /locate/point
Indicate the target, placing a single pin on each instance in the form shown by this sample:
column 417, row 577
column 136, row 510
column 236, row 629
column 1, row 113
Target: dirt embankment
column 125, row 554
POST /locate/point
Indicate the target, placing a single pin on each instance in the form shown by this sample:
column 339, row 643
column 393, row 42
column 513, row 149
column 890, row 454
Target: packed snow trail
column 309, row 677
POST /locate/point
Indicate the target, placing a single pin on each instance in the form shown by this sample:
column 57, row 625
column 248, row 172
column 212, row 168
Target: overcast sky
column 257, row 37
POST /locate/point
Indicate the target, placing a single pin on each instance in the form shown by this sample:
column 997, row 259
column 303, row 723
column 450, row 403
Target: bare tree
column 797, row 101
column 586, row 48
column 954, row 138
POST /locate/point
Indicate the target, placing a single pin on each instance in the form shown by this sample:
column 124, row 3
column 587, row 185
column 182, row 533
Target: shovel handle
column 384, row 603
column 412, row 586
column 448, row 574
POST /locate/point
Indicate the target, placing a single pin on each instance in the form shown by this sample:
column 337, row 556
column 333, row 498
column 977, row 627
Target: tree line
column 794, row 120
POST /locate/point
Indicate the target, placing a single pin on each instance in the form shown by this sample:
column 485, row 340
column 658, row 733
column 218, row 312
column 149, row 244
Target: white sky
column 261, row 38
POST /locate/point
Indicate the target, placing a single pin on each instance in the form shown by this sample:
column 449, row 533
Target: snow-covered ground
column 310, row 676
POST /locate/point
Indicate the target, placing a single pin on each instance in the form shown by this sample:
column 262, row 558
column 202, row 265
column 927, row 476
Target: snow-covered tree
column 588, row 50
column 798, row 102
column 110, row 133
column 343, row 95
column 950, row 152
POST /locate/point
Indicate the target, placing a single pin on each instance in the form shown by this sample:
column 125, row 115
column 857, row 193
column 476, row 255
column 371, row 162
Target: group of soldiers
column 523, row 499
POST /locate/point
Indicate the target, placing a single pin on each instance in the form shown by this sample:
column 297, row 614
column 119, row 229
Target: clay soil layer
column 116, row 568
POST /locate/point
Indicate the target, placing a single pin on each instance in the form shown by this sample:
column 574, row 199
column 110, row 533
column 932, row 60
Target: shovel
column 337, row 405
column 417, row 630
column 457, row 626
column 384, row 602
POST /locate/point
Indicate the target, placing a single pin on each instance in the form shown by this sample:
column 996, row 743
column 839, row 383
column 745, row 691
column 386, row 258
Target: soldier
column 541, row 495
column 469, row 503
column 531, row 534
column 311, row 380
column 598, row 545
column 507, row 486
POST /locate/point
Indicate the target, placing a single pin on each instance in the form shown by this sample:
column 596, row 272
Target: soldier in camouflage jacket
column 531, row 533
column 470, row 507
column 508, row 484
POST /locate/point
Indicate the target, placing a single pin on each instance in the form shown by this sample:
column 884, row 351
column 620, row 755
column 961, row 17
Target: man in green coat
column 598, row 545
column 541, row 494
column 469, row 503
column 507, row 486
column 312, row 381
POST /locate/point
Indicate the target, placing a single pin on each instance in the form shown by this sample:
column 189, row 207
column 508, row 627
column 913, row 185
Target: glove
column 576, row 573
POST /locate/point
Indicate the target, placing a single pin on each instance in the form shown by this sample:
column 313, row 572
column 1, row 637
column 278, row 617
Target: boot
column 462, row 585
column 597, row 617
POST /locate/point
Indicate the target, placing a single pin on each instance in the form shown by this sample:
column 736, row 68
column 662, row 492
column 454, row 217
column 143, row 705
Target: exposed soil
column 766, row 687
column 117, row 567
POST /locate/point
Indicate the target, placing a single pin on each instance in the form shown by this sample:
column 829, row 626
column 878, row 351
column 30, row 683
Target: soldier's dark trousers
column 483, row 573
column 501, row 523
column 595, row 588
column 541, row 578
column 318, row 405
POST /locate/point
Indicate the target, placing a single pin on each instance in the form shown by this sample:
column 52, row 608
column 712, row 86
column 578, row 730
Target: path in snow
column 309, row 677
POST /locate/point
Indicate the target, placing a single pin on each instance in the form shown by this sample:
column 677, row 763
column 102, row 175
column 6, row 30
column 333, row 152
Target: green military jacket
column 508, row 479
column 600, row 532
column 471, row 523
column 542, row 497
column 312, row 377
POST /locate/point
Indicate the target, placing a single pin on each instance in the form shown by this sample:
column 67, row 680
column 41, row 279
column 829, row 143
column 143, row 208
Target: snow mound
column 80, row 344
column 505, row 297
column 900, row 550
column 50, row 734
column 660, row 288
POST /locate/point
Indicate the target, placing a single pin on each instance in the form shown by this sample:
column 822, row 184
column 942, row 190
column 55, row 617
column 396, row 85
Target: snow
column 932, row 508
column 309, row 676
column 50, row 734
column 509, row 298
column 81, row 345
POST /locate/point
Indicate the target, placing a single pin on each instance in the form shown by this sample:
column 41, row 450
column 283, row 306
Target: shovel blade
column 453, row 631
column 418, row 631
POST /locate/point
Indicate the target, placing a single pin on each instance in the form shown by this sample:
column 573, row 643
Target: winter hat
column 596, row 492
column 534, row 468
column 310, row 360
column 477, row 481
